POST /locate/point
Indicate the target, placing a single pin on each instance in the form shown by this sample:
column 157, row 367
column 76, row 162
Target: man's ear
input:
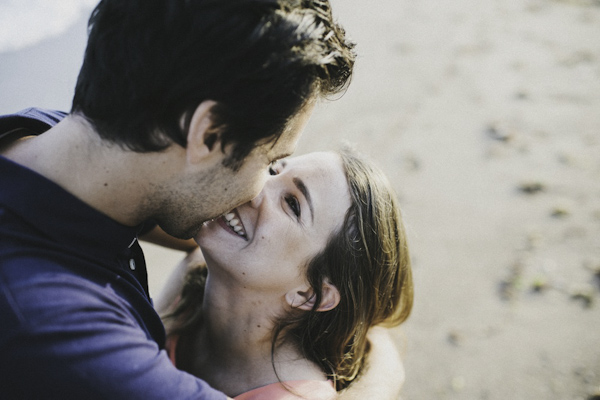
column 201, row 141
column 304, row 298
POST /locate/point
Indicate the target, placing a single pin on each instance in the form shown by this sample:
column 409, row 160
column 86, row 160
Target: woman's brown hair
column 368, row 261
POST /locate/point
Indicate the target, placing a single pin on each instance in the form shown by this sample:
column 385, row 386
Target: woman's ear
column 305, row 299
column 201, row 140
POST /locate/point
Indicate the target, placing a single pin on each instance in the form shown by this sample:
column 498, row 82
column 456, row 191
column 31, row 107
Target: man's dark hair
column 150, row 63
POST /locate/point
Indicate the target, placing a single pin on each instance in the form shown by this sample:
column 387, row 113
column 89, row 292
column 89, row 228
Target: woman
column 293, row 281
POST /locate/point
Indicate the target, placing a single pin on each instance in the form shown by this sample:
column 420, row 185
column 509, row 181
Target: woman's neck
column 235, row 341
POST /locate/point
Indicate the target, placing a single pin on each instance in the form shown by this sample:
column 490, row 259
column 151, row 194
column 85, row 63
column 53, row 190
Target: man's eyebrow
column 302, row 187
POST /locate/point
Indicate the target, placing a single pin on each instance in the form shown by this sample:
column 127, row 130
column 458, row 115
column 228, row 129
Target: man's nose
column 264, row 194
column 256, row 201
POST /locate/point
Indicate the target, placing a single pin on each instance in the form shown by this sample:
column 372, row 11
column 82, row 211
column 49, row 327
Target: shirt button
column 132, row 264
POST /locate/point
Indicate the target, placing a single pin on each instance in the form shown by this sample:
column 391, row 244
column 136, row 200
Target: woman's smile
column 232, row 223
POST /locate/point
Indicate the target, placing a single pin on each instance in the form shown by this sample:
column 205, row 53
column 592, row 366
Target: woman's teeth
column 234, row 224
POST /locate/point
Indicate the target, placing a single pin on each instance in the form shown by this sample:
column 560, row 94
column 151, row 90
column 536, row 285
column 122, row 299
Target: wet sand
column 486, row 118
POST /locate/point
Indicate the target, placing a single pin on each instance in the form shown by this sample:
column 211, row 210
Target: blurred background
column 486, row 117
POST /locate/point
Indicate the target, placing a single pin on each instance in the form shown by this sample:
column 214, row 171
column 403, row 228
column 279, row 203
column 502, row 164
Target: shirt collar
column 61, row 216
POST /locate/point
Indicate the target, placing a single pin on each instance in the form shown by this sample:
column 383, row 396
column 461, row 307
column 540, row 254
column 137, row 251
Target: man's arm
column 64, row 336
column 384, row 373
column 172, row 288
column 159, row 237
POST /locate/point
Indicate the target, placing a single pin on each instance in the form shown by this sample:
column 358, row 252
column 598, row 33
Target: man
column 179, row 108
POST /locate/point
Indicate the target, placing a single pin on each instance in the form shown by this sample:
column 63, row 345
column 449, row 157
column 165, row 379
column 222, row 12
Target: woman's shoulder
column 292, row 390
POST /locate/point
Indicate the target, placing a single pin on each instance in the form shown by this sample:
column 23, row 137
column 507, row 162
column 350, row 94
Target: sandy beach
column 486, row 117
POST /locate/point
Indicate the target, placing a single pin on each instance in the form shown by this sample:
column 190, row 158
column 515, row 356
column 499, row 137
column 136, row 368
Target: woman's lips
column 232, row 223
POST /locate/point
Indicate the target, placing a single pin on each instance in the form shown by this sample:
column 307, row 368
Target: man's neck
column 110, row 179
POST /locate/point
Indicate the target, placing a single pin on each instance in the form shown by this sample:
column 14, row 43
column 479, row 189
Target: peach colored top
column 292, row 390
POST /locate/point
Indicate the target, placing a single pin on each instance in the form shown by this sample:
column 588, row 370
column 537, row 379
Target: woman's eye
column 294, row 205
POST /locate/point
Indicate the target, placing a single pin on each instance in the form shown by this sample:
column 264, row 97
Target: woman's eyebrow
column 302, row 188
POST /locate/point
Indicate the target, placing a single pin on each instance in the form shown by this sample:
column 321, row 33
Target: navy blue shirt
column 76, row 321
